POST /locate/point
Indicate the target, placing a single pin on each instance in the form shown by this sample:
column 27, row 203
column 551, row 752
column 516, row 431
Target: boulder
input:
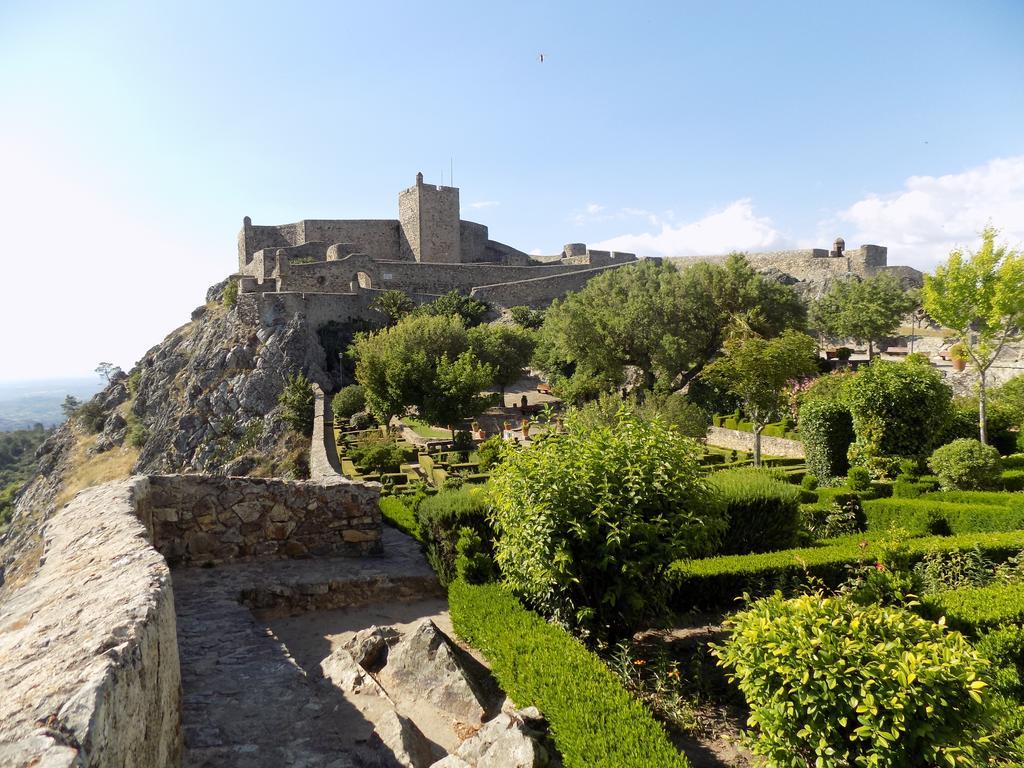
column 342, row 670
column 507, row 741
column 406, row 742
column 422, row 666
column 369, row 646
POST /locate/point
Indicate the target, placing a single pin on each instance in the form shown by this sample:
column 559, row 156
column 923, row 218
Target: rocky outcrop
column 510, row 740
column 88, row 649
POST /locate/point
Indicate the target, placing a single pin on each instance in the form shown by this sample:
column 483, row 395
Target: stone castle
column 427, row 251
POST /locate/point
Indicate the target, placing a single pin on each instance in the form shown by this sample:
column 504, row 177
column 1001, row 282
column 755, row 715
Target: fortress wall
column 203, row 520
column 88, row 646
column 809, row 264
column 473, row 242
column 377, row 238
column 270, row 309
column 441, row 278
column 537, row 292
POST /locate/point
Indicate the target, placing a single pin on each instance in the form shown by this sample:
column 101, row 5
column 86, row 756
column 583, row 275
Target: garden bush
column 858, row 478
column 589, row 520
column 763, row 511
column 809, row 482
column 833, row 684
column 966, row 465
column 489, row 452
column 296, row 402
column 716, row 582
column 975, row 610
column 826, row 429
column 440, row 518
column 348, row 402
column 595, row 723
column 379, row 456
column 473, row 561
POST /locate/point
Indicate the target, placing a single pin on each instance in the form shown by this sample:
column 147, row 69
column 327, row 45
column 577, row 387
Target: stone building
column 428, row 250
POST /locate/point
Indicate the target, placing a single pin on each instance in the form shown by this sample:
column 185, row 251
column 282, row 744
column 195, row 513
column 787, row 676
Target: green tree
column 108, row 371
column 756, row 370
column 862, row 310
column 70, row 405
column 980, row 297
column 423, row 361
column 507, row 348
column 666, row 322
column 589, row 520
column 471, row 311
column 527, row 317
column 394, row 305
column 297, row 404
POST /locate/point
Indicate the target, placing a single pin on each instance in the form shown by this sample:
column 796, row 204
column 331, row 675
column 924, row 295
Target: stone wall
column 812, row 264
column 201, row 520
column 88, row 648
column 744, row 441
column 537, row 292
column 324, row 464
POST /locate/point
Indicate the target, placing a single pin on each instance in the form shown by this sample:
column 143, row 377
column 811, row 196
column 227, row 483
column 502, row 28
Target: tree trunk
column 982, row 420
column 757, row 444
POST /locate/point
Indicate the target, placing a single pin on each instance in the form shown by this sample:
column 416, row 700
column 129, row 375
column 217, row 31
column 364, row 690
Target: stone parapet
column 88, row 649
column 202, row 520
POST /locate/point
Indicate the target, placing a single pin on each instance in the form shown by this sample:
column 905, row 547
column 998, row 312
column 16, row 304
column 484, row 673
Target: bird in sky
column 542, row 58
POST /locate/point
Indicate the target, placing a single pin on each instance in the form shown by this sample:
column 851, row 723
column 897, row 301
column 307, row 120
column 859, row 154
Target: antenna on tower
column 451, row 171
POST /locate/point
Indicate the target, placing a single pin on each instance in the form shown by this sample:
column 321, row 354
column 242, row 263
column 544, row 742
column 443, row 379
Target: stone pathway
column 246, row 702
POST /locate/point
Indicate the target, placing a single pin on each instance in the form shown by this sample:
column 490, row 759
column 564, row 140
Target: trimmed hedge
column 826, row 429
column 595, row 723
column 717, row 582
column 400, row 516
column 763, row 511
column 927, row 515
column 980, row 608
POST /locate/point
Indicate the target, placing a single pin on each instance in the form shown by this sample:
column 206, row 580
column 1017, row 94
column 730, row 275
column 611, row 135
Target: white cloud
column 593, row 209
column 932, row 215
column 735, row 227
column 485, row 204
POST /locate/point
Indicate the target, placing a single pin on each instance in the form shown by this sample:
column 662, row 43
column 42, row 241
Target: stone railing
column 202, row 520
column 88, row 648
column 324, row 464
column 744, row 441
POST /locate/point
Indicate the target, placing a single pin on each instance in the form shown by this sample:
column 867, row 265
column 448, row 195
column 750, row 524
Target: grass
column 88, row 470
column 423, row 429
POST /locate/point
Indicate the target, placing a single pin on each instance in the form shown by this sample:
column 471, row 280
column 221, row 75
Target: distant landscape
column 26, row 403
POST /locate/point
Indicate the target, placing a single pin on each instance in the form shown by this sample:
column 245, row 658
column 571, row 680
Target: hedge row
column 399, row 515
column 975, row 610
column 594, row 720
column 928, row 515
column 716, row 582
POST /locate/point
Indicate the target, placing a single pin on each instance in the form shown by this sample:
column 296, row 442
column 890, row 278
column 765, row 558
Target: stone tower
column 428, row 218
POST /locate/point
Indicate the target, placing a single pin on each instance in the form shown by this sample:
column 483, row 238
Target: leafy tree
column 393, row 304
column 756, row 370
column 527, row 317
column 980, row 297
column 589, row 520
column 666, row 322
column 297, row 404
column 471, row 311
column 230, row 296
column 347, row 402
column 70, row 405
column 862, row 310
column 423, row 361
column 1008, row 400
column 507, row 348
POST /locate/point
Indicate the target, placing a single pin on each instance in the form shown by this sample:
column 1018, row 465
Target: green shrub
column 527, row 317
column 589, row 520
column 395, row 512
column 378, row 456
column 940, row 571
column 966, row 465
column 473, row 561
column 348, row 402
column 826, row 430
column 1013, row 480
column 489, row 451
column 230, row 296
column 138, row 434
column 595, row 723
column 833, row 684
column 296, row 402
column 905, row 488
column 763, row 511
column 91, row 416
column 919, row 515
column 809, row 482
column 858, row 478
column 441, row 517
column 716, row 582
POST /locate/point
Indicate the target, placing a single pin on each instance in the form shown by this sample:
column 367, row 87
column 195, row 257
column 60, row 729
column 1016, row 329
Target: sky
column 135, row 136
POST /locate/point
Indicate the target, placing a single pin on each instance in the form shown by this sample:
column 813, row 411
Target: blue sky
column 135, row 137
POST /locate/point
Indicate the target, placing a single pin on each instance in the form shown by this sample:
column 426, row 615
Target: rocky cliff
column 203, row 400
